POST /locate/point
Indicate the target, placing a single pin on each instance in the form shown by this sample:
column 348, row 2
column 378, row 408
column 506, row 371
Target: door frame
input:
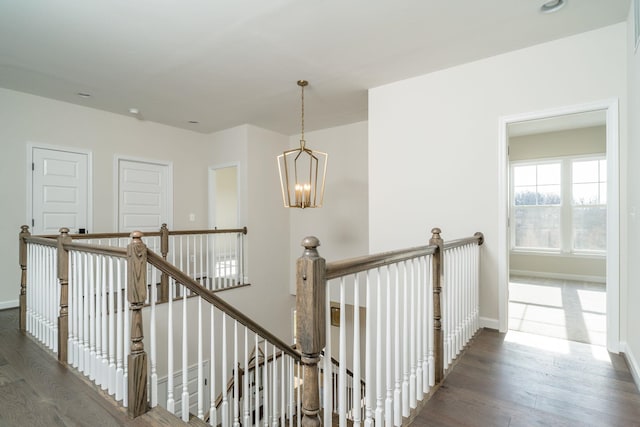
column 116, row 186
column 610, row 107
column 33, row 145
column 211, row 192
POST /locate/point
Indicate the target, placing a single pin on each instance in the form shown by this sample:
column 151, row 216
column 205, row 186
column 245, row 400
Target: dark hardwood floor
column 35, row 390
column 499, row 381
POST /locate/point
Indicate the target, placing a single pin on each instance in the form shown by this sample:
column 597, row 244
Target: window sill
column 584, row 255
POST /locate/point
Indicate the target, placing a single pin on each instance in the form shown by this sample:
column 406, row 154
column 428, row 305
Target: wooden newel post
column 24, row 233
column 437, row 270
column 137, row 294
column 311, row 334
column 164, row 250
column 63, row 277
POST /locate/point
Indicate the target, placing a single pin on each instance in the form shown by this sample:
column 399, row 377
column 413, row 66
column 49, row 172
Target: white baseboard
column 486, row 322
column 561, row 276
column 632, row 362
column 9, row 304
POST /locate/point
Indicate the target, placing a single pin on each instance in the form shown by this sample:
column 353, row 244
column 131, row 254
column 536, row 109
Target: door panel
column 59, row 190
column 143, row 195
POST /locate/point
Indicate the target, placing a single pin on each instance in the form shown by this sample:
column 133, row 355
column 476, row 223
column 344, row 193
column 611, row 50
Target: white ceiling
column 229, row 62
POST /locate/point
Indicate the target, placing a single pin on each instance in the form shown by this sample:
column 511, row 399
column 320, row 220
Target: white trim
column 88, row 153
column 9, row 304
column 613, row 210
column 486, row 322
column 559, row 276
column 116, row 185
column 632, row 361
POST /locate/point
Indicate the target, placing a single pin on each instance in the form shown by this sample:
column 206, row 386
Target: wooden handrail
column 476, row 238
column 147, row 234
column 44, row 241
column 355, row 265
column 96, row 249
column 209, row 296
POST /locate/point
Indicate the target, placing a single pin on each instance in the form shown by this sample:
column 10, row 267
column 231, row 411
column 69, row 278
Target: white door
column 60, row 191
column 144, row 198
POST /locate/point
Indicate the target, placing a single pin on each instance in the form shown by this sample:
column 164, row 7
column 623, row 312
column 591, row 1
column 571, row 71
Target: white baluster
column 405, row 341
column 389, row 400
column 127, row 337
column 93, row 295
column 213, row 414
column 200, row 363
column 368, row 368
column 85, row 346
column 412, row 400
column 119, row 331
column 153, row 358
column 379, row 415
column 71, row 309
column 112, row 328
column 236, row 378
column 342, row 373
column 265, row 387
column 257, row 381
column 225, row 405
column 246, row 396
column 355, row 386
column 397, row 392
column 185, row 365
column 420, row 325
column 274, row 392
column 104, row 366
column 327, row 366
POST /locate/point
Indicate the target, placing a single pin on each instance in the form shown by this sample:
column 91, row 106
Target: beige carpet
column 566, row 309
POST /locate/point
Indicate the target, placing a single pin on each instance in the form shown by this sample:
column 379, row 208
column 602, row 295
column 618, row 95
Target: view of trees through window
column 561, row 194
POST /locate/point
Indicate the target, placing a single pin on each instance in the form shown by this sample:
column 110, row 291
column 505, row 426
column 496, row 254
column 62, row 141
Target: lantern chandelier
column 302, row 171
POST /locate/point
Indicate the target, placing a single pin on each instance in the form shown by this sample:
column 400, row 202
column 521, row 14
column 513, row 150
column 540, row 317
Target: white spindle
column 104, row 335
column 274, row 390
column 225, row 405
column 328, row 394
column 379, row 415
column 265, row 387
column 246, row 396
column 257, row 381
column 127, row 337
column 213, row 414
column 342, row 373
column 355, row 386
column 236, row 378
column 421, row 324
column 153, row 358
column 411, row 356
column 405, row 341
column 397, row 392
column 120, row 331
column 93, row 295
column 185, row 366
column 112, row 328
column 368, row 365
column 73, row 310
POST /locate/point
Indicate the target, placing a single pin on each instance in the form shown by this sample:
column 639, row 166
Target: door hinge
column 33, row 166
column 33, row 222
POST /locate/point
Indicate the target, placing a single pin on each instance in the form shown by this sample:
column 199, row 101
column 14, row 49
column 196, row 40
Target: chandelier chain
column 302, row 115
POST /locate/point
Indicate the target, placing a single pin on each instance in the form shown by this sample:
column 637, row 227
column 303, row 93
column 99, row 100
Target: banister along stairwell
column 313, row 278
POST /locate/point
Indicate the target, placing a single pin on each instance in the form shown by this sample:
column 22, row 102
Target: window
column 589, row 204
column 559, row 205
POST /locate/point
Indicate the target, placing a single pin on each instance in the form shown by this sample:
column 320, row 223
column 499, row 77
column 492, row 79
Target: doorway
column 223, row 197
column 607, row 111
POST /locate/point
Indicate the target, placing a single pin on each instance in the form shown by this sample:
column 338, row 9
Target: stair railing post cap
column 64, row 230
column 436, row 230
column 136, row 235
column 310, row 242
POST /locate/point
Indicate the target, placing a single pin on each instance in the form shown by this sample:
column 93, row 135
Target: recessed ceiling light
column 194, row 122
column 552, row 6
column 83, row 95
column 134, row 111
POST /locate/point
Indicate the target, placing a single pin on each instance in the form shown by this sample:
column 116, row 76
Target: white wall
column 31, row 119
column 433, row 139
column 633, row 177
column 267, row 300
column 341, row 224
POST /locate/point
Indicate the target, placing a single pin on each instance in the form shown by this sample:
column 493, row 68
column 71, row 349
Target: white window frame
column 566, row 207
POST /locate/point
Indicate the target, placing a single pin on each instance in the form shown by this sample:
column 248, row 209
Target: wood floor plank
column 503, row 382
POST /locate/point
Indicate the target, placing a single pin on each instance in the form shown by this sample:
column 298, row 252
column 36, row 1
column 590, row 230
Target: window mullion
column 566, row 221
